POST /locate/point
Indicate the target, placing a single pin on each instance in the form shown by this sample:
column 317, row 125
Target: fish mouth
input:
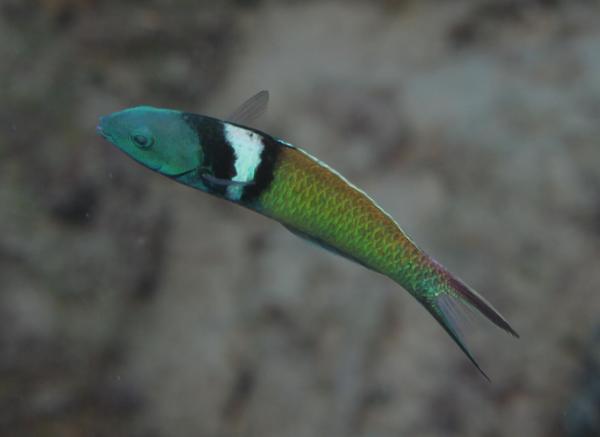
column 103, row 134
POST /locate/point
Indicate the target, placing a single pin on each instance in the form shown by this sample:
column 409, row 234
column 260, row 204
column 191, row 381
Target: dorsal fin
column 251, row 109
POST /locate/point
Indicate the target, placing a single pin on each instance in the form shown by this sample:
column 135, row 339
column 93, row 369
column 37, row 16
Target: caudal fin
column 446, row 304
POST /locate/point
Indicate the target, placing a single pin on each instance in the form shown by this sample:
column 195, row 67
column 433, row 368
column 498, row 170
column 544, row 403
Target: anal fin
column 323, row 245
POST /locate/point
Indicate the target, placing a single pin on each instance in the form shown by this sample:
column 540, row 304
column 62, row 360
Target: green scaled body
column 285, row 183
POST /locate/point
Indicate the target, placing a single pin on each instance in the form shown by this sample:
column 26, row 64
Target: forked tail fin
column 445, row 306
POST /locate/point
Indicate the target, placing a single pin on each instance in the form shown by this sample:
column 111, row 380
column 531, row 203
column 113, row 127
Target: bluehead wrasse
column 278, row 180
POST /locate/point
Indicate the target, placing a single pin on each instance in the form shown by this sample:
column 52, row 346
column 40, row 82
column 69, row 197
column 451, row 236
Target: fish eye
column 142, row 139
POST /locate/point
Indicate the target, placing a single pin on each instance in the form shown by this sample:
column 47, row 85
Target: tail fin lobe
column 446, row 311
column 475, row 300
column 446, row 307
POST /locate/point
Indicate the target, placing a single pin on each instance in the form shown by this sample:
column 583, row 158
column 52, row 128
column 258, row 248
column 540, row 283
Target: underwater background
column 133, row 306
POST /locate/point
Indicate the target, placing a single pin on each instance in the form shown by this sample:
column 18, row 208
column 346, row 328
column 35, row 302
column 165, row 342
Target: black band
column 219, row 157
column 265, row 171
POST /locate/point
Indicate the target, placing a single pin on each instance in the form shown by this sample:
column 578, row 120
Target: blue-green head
column 160, row 139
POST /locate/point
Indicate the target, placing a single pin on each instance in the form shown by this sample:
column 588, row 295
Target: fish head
column 157, row 138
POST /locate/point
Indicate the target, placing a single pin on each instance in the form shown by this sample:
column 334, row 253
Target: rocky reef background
column 131, row 306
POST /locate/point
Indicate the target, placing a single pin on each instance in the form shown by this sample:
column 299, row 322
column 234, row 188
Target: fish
column 233, row 161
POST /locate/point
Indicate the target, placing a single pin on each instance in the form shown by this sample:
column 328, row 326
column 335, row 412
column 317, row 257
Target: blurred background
column 133, row 306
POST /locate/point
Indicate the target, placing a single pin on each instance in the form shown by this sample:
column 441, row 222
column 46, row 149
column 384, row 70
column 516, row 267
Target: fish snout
column 100, row 128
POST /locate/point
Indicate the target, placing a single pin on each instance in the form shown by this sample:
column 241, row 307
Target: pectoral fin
column 223, row 182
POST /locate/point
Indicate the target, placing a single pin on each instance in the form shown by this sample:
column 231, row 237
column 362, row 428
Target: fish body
column 285, row 183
